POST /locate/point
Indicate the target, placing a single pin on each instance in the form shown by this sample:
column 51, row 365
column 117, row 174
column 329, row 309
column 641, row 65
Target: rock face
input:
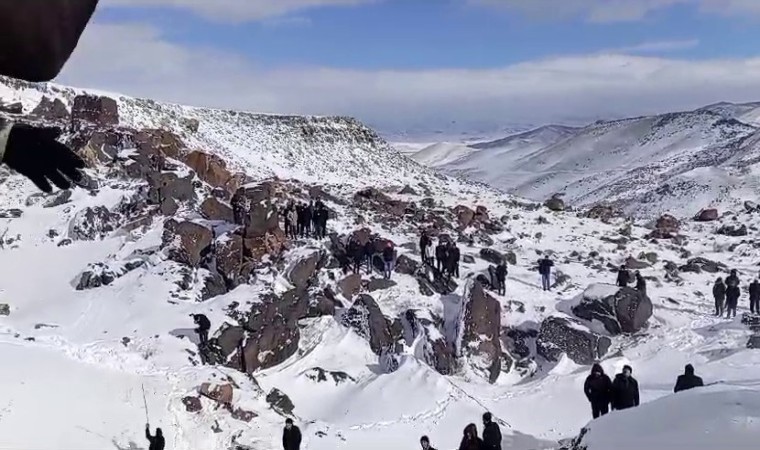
column 437, row 351
column 464, row 216
column 187, row 242
column 102, row 111
column 559, row 335
column 625, row 311
column 213, row 209
column 366, row 318
column 666, row 227
column 555, row 204
column 93, row 223
column 601, row 212
column 192, row 404
column 53, row 110
column 378, row 284
column 478, row 333
column 707, row 215
column 228, row 252
column 213, row 170
column 99, row 274
column 351, row 285
column 302, row 271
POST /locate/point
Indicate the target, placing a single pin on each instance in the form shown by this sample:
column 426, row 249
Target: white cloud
column 656, row 47
column 235, row 11
column 539, row 91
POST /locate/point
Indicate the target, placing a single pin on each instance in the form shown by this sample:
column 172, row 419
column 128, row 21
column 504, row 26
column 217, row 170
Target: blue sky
column 428, row 63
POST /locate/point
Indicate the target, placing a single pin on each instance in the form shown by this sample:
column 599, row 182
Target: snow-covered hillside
column 442, row 153
column 179, row 216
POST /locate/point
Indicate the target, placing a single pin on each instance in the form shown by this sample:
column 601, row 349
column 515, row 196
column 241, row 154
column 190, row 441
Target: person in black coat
column 625, row 390
column 623, row 276
column 425, row 242
column 470, row 439
column 732, row 294
column 754, row 297
column 491, row 433
column 301, row 213
column 308, row 214
column 425, row 443
column 369, row 253
column 501, row 278
column 441, row 253
column 688, row 380
column 204, row 325
column 598, row 390
column 453, row 260
column 719, row 294
column 641, row 284
column 291, row 436
column 157, row 442
column 545, row 270
column 356, row 253
column 389, row 257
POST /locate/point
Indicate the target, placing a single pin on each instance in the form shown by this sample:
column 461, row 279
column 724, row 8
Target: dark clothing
column 754, row 297
column 625, row 392
column 687, row 381
column 369, row 253
column 356, row 253
column 546, row 281
column 641, row 284
column 732, row 296
column 202, row 321
column 473, row 444
column 501, row 278
column 719, row 294
column 291, row 439
column 452, row 266
column 623, row 278
column 157, row 442
column 599, row 409
column 424, row 243
column 598, row 390
column 732, row 281
column 545, row 266
column 388, row 254
column 492, row 437
column 441, row 254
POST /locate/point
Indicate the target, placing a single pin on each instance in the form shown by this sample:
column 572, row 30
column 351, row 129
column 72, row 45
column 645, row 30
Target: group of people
column 302, row 220
column 623, row 392
column 444, row 257
column 470, row 441
column 727, row 294
column 624, row 278
column 365, row 254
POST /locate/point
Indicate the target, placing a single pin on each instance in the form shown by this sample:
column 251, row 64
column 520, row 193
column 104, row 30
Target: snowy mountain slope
column 748, row 113
column 79, row 357
column 442, row 153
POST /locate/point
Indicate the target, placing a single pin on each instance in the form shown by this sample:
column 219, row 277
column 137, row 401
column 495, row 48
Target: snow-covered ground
column 76, row 361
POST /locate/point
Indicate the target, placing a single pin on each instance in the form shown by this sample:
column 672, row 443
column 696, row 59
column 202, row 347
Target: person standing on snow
column 501, row 278
column 491, row 433
column 157, row 442
column 425, row 242
column 545, row 265
column 754, row 296
column 598, row 390
column 732, row 294
column 291, row 436
column 286, row 219
column 441, row 253
column 204, row 325
column 641, row 284
column 308, row 214
column 623, row 276
column 369, row 254
column 719, row 294
column 389, row 257
column 688, row 380
column 454, row 256
column 470, row 440
column 425, row 443
column 625, row 390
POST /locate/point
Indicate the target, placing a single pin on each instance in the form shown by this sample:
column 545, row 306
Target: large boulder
column 700, row 264
column 221, row 393
column 366, row 318
column 479, row 326
column 751, row 207
column 379, row 284
column 604, row 213
column 280, row 402
column 100, row 274
column 555, row 204
column 437, row 351
column 620, row 310
column 665, row 227
column 98, row 110
column 211, row 169
column 406, row 265
column 303, row 270
column 187, row 242
column 93, row 223
column 214, row 209
column 168, row 188
column 253, row 208
column 492, row 256
column 53, row 110
column 559, row 335
column 464, row 215
column 350, row 285
column 733, row 230
column 228, row 253
column 707, row 215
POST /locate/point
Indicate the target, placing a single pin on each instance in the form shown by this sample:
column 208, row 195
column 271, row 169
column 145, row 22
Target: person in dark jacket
column 291, row 436
column 369, row 254
column 754, row 296
column 356, row 253
column 641, row 284
column 425, row 443
column 501, row 278
column 470, row 440
column 625, row 390
column 441, row 253
column 324, row 216
column 598, row 390
column 623, row 276
column 732, row 293
column 204, row 325
column 719, row 294
column 454, row 255
column 425, row 242
column 688, row 380
column 491, row 433
column 308, row 215
column 300, row 212
column 286, row 219
column 389, row 257
column 545, row 265
column 157, row 442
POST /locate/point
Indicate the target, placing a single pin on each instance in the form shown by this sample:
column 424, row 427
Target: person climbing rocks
column 501, row 277
column 441, row 253
column 491, row 433
column 641, row 283
column 688, row 380
column 156, row 442
column 470, row 439
column 425, row 443
column 389, row 257
column 719, row 295
column 38, row 40
column 625, row 390
column 425, row 242
column 204, row 325
column 623, row 276
column 291, row 436
column 545, row 265
column 732, row 293
column 369, row 255
column 598, row 390
column 754, row 296
column 454, row 255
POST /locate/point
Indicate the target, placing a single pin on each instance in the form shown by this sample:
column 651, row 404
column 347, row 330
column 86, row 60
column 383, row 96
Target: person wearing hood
column 425, row 443
column 641, row 284
column 623, row 277
column 470, row 440
column 598, row 390
column 156, row 442
column 732, row 294
column 688, row 380
column 625, row 390
column 204, row 325
column 291, row 436
column 754, row 296
column 719, row 294
column 491, row 433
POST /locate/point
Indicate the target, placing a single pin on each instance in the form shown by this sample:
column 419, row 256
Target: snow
column 442, row 153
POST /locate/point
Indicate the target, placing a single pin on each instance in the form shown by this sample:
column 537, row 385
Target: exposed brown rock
column 187, row 242
column 214, row 209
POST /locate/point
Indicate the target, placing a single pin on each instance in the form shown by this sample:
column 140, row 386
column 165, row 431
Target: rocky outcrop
column 561, row 336
column 93, row 223
column 751, row 207
column 464, row 216
column 406, row 265
column 624, row 311
column 478, row 332
column 213, row 170
column 253, row 208
column 100, row 274
column 228, row 254
column 58, row 199
column 52, row 110
column 187, row 242
column 301, row 272
column 221, row 393
column 492, row 256
column 666, row 227
column 604, row 213
column 707, row 215
column 376, row 200
column 213, row 209
column 5, row 309
column 635, row 264
column 366, row 318
column 168, row 188
column 437, row 351
column 733, row 230
column 700, row 264
column 192, row 404
column 280, row 402
column 12, row 108
column 320, row 375
column 350, row 285
column 378, row 284
column 555, row 204
column 101, row 111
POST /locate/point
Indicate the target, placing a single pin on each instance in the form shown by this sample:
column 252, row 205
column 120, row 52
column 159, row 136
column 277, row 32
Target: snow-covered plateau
column 179, row 215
